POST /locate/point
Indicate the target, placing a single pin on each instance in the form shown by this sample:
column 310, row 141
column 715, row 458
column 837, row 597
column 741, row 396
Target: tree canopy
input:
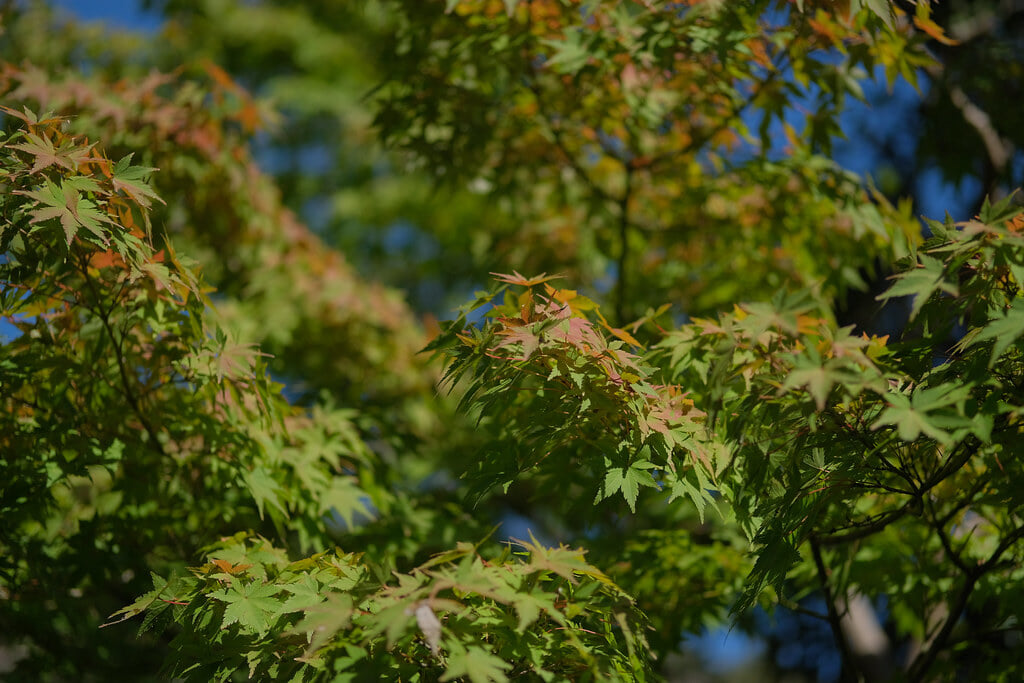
column 508, row 340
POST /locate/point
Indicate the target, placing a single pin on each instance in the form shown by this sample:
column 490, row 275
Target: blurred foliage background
column 299, row 169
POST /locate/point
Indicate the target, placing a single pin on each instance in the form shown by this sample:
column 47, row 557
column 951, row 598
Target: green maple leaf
column 64, row 203
column 393, row 621
column 324, row 620
column 264, row 489
column 528, row 608
column 305, row 593
column 143, row 603
column 345, row 498
column 562, row 561
column 477, row 664
column 912, row 415
column 909, row 422
column 818, row 380
column 612, row 480
column 628, row 480
column 684, row 488
column 1005, row 330
column 250, row 606
column 920, row 282
column 132, row 181
column 570, row 53
column 631, row 488
column 883, row 10
column 774, row 560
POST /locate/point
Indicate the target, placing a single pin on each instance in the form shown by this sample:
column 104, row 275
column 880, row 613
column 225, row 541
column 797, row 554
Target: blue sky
column 123, row 13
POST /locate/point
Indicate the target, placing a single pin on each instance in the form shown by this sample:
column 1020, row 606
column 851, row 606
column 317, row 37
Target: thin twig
column 862, row 530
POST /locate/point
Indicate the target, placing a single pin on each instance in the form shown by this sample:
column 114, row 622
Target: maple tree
column 219, row 431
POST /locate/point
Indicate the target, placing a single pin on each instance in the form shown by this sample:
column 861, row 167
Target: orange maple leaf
column 229, row 568
column 934, row 30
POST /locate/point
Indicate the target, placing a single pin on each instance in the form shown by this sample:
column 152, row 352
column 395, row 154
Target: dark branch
column 919, row 668
column 848, row 672
column 621, row 287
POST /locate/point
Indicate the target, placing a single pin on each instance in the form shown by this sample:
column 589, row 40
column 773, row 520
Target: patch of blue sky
column 724, row 650
column 519, row 527
column 316, row 159
column 938, row 196
column 432, row 295
column 8, row 331
column 475, row 317
column 405, row 236
column 123, row 14
column 317, row 212
column 886, row 119
column 1017, row 164
column 604, row 284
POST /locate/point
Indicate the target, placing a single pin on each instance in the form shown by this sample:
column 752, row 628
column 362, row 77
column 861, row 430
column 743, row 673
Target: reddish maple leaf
column 518, row 279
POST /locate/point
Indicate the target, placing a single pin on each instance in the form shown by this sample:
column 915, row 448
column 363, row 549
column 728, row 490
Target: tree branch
column 848, row 672
column 923, row 662
column 999, row 149
column 621, row 282
column 867, row 528
column 129, row 394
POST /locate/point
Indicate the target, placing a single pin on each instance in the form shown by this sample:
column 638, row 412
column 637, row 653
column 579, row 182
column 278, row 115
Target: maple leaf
column 708, row 326
column 580, row 333
column 229, row 568
column 305, row 593
column 577, row 303
column 68, row 155
column 477, row 664
column 818, row 380
column 561, row 560
column 344, row 498
column 263, row 488
column 131, row 180
column 106, row 259
column 518, row 335
column 1004, row 330
column 518, row 279
column 323, row 620
column 29, row 117
column 141, row 604
column 933, row 30
column 251, row 606
column 65, row 203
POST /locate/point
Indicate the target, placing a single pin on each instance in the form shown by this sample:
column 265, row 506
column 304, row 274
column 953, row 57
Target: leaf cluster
column 125, row 404
column 567, row 403
column 531, row 611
